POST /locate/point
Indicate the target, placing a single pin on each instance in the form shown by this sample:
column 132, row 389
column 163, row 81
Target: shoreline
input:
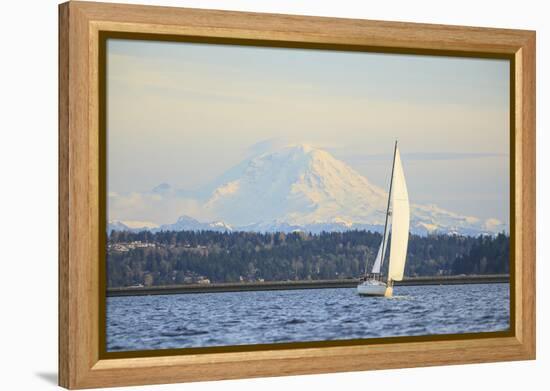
column 292, row 285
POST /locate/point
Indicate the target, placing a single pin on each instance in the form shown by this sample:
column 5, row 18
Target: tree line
column 170, row 257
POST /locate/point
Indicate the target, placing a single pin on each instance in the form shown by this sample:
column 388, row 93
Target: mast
column 388, row 208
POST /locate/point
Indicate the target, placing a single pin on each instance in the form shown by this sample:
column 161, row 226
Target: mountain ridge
column 299, row 187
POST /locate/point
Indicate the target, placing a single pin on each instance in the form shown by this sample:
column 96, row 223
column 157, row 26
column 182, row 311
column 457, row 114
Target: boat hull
column 372, row 289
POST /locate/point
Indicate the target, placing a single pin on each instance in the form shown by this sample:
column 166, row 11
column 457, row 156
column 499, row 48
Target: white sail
column 381, row 250
column 400, row 222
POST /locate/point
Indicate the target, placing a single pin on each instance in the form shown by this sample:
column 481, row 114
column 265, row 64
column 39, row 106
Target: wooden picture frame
column 81, row 164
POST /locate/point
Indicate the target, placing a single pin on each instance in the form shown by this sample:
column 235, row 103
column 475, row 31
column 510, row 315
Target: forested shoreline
column 182, row 257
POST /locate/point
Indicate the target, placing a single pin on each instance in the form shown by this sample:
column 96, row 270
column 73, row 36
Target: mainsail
column 399, row 223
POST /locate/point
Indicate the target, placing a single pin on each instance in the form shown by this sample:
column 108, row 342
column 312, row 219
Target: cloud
column 154, row 207
column 427, row 156
column 451, row 155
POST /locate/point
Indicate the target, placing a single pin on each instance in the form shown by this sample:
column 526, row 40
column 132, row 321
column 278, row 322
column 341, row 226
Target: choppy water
column 237, row 318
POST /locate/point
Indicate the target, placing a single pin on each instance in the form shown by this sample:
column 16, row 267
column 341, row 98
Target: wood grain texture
column 291, row 28
column 79, row 204
column 63, row 177
column 526, row 125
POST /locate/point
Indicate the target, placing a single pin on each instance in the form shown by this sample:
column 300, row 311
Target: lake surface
column 243, row 318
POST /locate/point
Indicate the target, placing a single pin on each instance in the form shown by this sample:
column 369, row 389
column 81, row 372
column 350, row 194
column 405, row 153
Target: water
column 242, row 318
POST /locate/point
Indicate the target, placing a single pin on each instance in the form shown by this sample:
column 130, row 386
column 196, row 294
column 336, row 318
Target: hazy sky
column 184, row 113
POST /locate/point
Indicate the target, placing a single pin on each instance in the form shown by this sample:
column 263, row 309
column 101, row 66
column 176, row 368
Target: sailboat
column 399, row 210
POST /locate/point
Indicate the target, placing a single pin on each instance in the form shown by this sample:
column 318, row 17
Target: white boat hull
column 372, row 288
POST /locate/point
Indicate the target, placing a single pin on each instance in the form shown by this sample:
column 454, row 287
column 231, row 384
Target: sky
column 183, row 113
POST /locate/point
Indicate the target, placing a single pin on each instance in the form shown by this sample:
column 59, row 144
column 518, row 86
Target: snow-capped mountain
column 303, row 188
column 186, row 223
column 134, row 226
column 299, row 187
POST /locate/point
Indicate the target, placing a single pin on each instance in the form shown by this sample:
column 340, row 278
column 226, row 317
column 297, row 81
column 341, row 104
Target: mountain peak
column 187, row 223
column 186, row 219
column 304, row 148
column 298, row 184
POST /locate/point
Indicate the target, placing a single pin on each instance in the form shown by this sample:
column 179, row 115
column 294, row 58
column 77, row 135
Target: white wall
column 28, row 195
